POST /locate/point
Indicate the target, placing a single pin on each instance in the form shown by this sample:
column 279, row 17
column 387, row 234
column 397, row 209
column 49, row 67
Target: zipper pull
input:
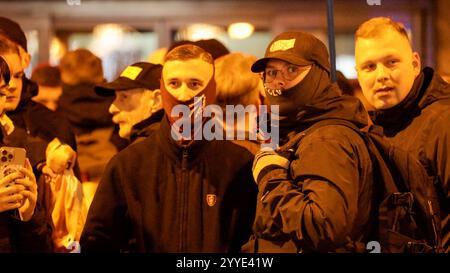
column 184, row 159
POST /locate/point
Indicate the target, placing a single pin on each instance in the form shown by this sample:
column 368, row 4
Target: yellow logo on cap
column 282, row 45
column 131, row 72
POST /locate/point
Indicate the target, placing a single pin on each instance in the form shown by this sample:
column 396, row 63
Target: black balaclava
column 299, row 97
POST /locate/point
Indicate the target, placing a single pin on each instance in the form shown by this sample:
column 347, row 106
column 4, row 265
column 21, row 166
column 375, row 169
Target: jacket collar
column 176, row 149
column 428, row 88
column 145, row 127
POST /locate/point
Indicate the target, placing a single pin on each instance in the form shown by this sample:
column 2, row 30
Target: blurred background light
column 240, row 30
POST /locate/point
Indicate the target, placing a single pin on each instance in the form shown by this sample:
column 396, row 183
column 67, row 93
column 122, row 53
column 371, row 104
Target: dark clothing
column 420, row 124
column 39, row 123
column 170, row 198
column 84, row 109
column 20, row 237
column 146, row 127
column 35, row 126
column 323, row 202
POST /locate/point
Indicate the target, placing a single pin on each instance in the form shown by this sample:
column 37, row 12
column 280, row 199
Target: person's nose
column 113, row 109
column 12, row 86
column 185, row 93
column 382, row 73
column 279, row 80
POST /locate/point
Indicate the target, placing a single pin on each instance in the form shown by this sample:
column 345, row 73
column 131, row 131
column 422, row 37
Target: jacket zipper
column 183, row 199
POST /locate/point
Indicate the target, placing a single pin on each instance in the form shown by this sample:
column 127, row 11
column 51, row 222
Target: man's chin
column 124, row 133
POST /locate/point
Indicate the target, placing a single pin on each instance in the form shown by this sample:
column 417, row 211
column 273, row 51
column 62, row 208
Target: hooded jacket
column 323, row 202
column 163, row 197
column 84, row 109
column 39, row 124
column 35, row 127
column 421, row 124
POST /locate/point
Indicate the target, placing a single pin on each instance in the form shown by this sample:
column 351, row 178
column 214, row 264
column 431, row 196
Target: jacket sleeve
column 315, row 203
column 106, row 225
column 437, row 155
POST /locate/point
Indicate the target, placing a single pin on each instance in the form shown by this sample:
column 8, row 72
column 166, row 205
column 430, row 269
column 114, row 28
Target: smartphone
column 11, row 159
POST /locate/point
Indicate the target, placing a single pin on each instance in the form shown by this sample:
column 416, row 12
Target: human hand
column 29, row 193
column 59, row 156
column 10, row 193
column 266, row 158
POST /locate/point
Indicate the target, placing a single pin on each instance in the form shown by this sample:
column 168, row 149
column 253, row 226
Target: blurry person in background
column 238, row 87
column 137, row 106
column 349, row 89
column 87, row 112
column 157, row 56
column 48, row 79
column 411, row 104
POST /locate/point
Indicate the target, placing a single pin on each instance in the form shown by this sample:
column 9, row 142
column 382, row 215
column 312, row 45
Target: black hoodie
column 421, row 124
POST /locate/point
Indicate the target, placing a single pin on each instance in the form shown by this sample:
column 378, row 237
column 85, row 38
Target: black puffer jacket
column 421, row 124
column 163, row 197
column 323, row 202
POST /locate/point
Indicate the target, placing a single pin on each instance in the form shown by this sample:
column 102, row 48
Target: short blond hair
column 235, row 82
column 81, row 66
column 375, row 26
column 188, row 52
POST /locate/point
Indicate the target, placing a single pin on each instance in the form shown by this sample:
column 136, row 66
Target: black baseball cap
column 13, row 31
column 296, row 47
column 138, row 75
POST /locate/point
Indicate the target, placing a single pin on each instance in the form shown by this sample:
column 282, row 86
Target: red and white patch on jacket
column 211, row 199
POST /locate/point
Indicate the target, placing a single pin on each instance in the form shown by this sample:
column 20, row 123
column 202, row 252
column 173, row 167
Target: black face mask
column 293, row 101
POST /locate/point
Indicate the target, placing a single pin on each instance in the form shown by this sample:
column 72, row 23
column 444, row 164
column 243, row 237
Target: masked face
column 281, row 75
column 13, row 91
column 386, row 68
column 184, row 79
column 131, row 107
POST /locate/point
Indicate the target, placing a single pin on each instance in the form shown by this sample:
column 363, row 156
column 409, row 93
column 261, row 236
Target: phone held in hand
column 11, row 159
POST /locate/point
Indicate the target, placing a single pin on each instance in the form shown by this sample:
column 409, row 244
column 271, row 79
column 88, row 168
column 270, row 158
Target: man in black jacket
column 319, row 198
column 412, row 105
column 137, row 107
column 166, row 194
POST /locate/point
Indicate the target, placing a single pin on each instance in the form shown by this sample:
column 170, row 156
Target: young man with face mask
column 412, row 105
column 320, row 199
column 165, row 194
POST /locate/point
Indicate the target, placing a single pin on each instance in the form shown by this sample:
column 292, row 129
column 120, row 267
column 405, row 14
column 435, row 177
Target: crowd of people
column 129, row 166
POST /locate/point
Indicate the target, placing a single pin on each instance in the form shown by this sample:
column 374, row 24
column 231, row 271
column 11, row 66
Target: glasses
column 289, row 73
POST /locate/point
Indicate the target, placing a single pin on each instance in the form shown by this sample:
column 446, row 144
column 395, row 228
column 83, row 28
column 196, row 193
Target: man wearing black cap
column 317, row 198
column 166, row 194
column 137, row 107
